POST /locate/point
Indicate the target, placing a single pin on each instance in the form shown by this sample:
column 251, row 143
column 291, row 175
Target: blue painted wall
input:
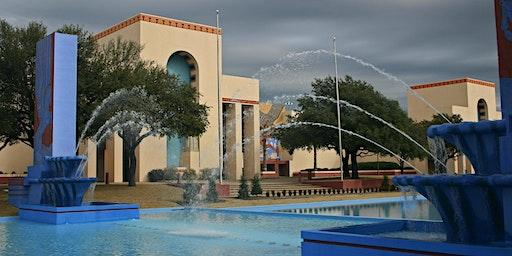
column 177, row 65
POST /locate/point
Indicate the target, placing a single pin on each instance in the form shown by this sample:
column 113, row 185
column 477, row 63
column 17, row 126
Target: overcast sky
column 417, row 40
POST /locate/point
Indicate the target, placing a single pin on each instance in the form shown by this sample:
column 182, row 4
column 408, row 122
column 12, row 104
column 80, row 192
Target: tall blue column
column 55, row 102
column 503, row 9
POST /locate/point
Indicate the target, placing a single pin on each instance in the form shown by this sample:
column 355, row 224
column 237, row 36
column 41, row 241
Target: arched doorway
column 482, row 112
column 182, row 65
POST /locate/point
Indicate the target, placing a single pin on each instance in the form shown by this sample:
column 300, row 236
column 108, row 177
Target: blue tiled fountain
column 476, row 209
column 55, row 186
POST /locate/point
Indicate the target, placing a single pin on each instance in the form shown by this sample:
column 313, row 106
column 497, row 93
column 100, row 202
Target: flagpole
column 219, row 103
column 338, row 104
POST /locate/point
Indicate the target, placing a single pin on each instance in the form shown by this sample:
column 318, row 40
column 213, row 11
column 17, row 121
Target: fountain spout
column 480, row 142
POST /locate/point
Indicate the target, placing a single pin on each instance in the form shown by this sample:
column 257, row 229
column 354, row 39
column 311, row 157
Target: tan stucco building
column 472, row 99
column 193, row 52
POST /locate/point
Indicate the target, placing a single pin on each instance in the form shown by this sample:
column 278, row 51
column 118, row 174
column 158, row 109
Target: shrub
column 189, row 174
column 211, row 195
column 243, row 191
column 207, row 173
column 256, row 186
column 385, row 184
column 378, row 166
column 190, row 192
column 170, row 173
column 156, row 175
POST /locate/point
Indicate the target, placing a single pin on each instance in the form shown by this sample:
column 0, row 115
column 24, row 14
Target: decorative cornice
column 253, row 102
column 158, row 20
column 455, row 81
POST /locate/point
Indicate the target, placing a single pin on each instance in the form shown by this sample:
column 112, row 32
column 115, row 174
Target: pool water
column 406, row 209
column 178, row 232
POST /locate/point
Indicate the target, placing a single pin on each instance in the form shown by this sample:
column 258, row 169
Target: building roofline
column 158, row 20
column 453, row 81
column 244, row 77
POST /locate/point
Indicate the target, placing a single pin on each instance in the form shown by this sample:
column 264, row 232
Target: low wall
column 319, row 174
column 347, row 184
column 5, row 178
column 222, row 190
column 365, row 239
column 333, row 174
column 386, row 172
column 269, row 174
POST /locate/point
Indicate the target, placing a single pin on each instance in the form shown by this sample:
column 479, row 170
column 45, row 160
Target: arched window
column 482, row 111
column 184, row 66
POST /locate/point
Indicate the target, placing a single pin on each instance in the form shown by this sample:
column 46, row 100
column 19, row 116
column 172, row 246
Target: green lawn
column 162, row 195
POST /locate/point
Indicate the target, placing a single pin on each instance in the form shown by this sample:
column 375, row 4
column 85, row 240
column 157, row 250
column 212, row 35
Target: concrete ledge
column 96, row 211
column 365, row 240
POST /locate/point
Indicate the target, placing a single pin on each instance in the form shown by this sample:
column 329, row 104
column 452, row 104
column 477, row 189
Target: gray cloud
column 416, row 40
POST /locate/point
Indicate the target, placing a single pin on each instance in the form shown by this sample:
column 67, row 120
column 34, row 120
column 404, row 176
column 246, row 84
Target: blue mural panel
column 177, row 65
column 43, row 100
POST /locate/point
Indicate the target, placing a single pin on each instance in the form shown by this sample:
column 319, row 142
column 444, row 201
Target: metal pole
column 338, row 104
column 219, row 104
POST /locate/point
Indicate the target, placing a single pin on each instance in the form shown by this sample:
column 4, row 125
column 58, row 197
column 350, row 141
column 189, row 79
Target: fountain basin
column 61, row 183
column 480, row 142
column 63, row 192
column 375, row 239
column 91, row 212
column 56, row 197
column 471, row 206
column 64, row 166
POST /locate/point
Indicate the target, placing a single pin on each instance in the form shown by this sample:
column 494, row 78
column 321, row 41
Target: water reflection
column 408, row 209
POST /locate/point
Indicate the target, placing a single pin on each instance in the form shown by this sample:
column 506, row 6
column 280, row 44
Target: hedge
column 368, row 166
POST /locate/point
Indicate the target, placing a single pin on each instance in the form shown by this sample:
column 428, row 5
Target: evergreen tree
column 212, row 196
column 256, row 186
column 190, row 192
column 385, row 183
column 243, row 192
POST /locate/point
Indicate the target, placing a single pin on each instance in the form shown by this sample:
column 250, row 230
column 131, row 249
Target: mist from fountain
column 289, row 125
column 115, row 98
column 284, row 64
column 438, row 147
column 436, row 159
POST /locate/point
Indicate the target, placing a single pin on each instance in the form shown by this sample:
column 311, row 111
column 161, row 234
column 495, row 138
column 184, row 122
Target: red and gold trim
column 455, row 81
column 158, row 20
column 252, row 102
